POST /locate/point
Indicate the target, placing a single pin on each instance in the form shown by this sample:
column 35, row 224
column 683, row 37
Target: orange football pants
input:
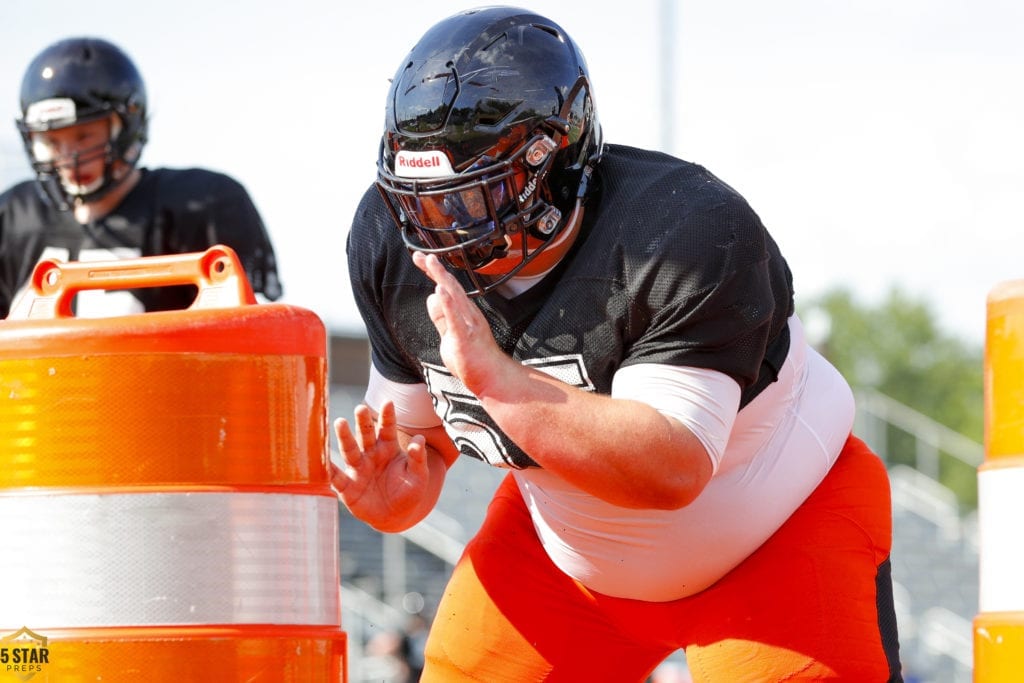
column 813, row 603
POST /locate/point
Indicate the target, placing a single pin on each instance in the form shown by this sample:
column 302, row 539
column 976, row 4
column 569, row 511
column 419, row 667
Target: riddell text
column 419, row 163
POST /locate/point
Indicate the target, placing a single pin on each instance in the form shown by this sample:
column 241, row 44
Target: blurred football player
column 84, row 124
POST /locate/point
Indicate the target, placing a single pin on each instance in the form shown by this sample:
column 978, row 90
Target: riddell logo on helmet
column 432, row 164
column 420, row 163
column 53, row 110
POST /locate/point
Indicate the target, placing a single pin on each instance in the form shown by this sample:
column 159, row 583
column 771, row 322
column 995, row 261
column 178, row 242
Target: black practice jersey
column 672, row 267
column 169, row 211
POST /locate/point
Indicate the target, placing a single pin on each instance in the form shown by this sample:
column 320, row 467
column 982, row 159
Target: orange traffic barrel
column 999, row 625
column 165, row 496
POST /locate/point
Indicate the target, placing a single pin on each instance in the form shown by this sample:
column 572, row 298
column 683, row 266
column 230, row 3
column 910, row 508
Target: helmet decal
column 55, row 112
column 430, row 164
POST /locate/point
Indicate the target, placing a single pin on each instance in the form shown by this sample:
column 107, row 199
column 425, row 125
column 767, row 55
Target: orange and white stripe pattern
column 164, row 488
column 999, row 625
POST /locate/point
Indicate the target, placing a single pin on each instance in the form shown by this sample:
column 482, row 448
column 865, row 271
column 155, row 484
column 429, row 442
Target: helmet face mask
column 472, row 218
column 489, row 135
column 79, row 156
column 71, row 86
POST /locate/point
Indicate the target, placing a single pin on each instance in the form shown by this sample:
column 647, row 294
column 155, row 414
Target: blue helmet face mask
column 73, row 82
column 489, row 137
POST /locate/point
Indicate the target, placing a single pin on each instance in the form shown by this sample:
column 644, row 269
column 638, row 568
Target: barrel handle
column 216, row 272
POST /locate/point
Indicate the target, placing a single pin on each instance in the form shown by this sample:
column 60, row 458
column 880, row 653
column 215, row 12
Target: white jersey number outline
column 468, row 425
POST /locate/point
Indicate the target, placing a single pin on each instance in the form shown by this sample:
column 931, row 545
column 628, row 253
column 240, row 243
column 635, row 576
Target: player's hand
column 380, row 483
column 468, row 348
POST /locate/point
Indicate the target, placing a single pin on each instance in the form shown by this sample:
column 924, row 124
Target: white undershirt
column 767, row 459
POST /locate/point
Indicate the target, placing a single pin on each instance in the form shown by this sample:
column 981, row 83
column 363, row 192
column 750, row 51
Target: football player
column 84, row 123
column 615, row 327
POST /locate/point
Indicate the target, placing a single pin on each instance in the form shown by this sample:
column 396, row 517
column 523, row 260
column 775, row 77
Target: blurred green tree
column 898, row 348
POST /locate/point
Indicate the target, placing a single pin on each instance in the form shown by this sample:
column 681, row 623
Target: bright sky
column 881, row 141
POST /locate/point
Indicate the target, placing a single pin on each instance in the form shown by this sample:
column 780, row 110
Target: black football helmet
column 490, row 137
column 74, row 81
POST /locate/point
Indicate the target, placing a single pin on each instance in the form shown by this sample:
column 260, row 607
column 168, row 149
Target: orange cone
column 999, row 625
column 164, row 487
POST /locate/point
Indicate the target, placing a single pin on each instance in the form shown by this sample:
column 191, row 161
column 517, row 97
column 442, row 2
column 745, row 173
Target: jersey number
column 472, row 429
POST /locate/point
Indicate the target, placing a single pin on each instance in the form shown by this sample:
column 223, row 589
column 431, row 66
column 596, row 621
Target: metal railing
column 876, row 410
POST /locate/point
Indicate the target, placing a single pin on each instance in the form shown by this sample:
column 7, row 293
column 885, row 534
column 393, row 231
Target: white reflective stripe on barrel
column 1000, row 516
column 73, row 560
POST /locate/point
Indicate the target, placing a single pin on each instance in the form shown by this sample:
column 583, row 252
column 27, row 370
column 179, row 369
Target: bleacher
column 934, row 558
column 935, row 572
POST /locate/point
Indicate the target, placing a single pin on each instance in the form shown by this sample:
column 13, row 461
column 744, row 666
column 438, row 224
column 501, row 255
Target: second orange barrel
column 999, row 625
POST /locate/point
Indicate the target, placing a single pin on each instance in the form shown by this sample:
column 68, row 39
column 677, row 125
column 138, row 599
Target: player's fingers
column 417, row 453
column 339, row 478
column 435, row 270
column 347, row 443
column 457, row 312
column 439, row 273
column 449, row 308
column 387, row 424
column 436, row 312
column 366, row 430
column 341, row 429
column 431, row 265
